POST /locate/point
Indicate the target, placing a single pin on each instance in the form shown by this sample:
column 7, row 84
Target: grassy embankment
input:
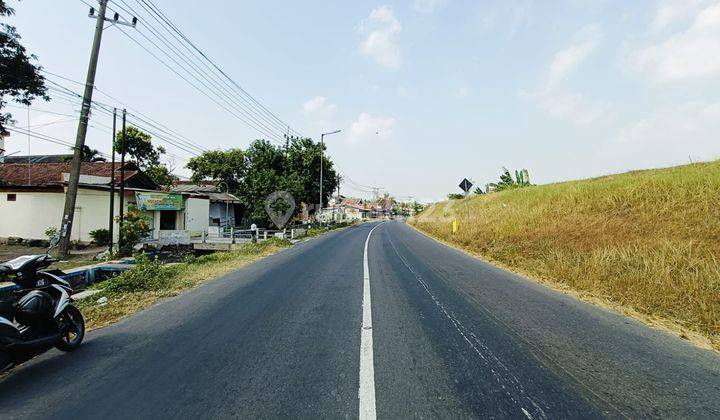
column 151, row 281
column 645, row 242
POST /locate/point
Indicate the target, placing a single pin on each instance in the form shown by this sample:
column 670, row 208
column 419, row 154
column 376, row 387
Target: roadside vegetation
column 645, row 241
column 151, row 281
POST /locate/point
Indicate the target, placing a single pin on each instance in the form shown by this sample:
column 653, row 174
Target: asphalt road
column 452, row 337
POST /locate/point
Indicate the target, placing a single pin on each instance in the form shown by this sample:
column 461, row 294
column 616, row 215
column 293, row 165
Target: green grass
column 648, row 241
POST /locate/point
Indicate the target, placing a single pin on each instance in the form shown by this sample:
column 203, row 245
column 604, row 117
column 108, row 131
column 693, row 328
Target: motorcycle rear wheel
column 72, row 329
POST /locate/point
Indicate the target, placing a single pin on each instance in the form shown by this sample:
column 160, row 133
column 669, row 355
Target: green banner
column 158, row 201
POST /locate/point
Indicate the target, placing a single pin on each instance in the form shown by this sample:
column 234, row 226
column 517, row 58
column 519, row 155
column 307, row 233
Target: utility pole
column 72, row 189
column 111, row 223
column 122, row 182
column 322, row 148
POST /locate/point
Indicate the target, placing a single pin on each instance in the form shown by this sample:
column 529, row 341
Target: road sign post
column 465, row 185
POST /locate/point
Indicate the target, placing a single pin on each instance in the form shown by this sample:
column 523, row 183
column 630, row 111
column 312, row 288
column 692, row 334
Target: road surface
column 447, row 337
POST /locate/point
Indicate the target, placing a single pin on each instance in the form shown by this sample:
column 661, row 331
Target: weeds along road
column 451, row 337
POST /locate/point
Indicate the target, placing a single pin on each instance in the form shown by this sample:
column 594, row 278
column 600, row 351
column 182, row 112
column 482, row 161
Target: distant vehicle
column 40, row 316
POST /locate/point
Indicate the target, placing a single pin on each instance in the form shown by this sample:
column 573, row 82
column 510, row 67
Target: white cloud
column 319, row 111
column 380, row 31
column 574, row 108
column 690, row 127
column 670, row 12
column 427, row 6
column 368, row 127
column 691, row 53
column 569, row 59
column 561, row 104
column 463, row 92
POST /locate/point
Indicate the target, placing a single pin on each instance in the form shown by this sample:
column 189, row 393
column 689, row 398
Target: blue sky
column 426, row 91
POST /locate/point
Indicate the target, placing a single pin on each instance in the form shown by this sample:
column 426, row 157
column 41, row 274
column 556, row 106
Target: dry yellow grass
column 647, row 241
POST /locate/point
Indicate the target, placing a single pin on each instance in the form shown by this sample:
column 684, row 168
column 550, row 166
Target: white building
column 32, row 197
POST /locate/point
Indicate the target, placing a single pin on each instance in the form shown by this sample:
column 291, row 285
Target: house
column 342, row 208
column 32, row 198
column 225, row 209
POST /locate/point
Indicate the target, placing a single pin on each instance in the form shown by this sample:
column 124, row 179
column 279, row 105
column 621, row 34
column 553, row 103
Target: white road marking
column 366, row 394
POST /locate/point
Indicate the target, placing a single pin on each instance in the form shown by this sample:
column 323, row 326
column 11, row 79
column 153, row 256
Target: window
column 12, row 197
column 168, row 219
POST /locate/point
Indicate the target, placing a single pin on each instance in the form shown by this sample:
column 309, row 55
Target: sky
column 426, row 92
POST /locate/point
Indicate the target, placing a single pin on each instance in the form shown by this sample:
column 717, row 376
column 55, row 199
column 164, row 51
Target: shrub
column 51, row 232
column 100, row 236
column 147, row 275
column 135, row 228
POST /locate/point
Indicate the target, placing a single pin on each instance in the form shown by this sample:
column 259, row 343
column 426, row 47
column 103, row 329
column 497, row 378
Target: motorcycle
column 40, row 315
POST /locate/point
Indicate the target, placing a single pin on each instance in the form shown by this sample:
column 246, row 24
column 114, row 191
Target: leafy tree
column 263, row 168
column 304, row 163
column 138, row 145
column 265, row 173
column 478, row 190
column 161, row 174
column 522, row 179
column 88, row 155
column 20, row 79
column 227, row 166
column 417, row 207
column 455, row 196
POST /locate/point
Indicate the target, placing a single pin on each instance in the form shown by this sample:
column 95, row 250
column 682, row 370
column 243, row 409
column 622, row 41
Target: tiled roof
column 52, row 173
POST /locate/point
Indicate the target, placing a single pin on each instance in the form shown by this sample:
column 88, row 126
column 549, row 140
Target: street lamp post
column 322, row 144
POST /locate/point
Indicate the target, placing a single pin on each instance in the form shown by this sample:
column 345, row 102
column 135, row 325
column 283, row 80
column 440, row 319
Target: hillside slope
column 644, row 240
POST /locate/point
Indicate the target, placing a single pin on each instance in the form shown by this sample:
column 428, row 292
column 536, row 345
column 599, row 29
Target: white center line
column 366, row 394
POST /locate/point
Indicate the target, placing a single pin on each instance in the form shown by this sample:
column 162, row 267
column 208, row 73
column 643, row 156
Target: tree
column 88, row 155
column 522, row 179
column 161, row 175
column 304, row 163
column 138, row 145
column 455, row 196
column 266, row 173
column 478, row 191
column 20, row 79
column 224, row 166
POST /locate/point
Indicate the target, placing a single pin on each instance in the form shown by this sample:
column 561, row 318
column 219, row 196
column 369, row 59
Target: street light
column 322, row 143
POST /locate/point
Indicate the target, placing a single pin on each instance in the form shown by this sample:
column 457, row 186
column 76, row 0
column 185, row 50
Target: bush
column 134, row 229
column 51, row 232
column 147, row 275
column 100, row 236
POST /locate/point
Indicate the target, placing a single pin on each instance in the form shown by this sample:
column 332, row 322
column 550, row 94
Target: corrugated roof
column 37, row 174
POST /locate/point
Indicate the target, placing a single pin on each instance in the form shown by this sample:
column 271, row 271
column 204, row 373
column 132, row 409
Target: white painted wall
column 33, row 212
column 197, row 215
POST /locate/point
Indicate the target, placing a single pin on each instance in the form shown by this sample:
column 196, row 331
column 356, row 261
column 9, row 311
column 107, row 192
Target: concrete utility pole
column 72, row 189
column 122, row 182
column 111, row 223
column 322, row 144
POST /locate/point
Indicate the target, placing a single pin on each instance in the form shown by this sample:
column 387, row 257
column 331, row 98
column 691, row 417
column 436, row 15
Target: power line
column 215, row 79
column 174, row 27
column 172, row 52
column 136, row 112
